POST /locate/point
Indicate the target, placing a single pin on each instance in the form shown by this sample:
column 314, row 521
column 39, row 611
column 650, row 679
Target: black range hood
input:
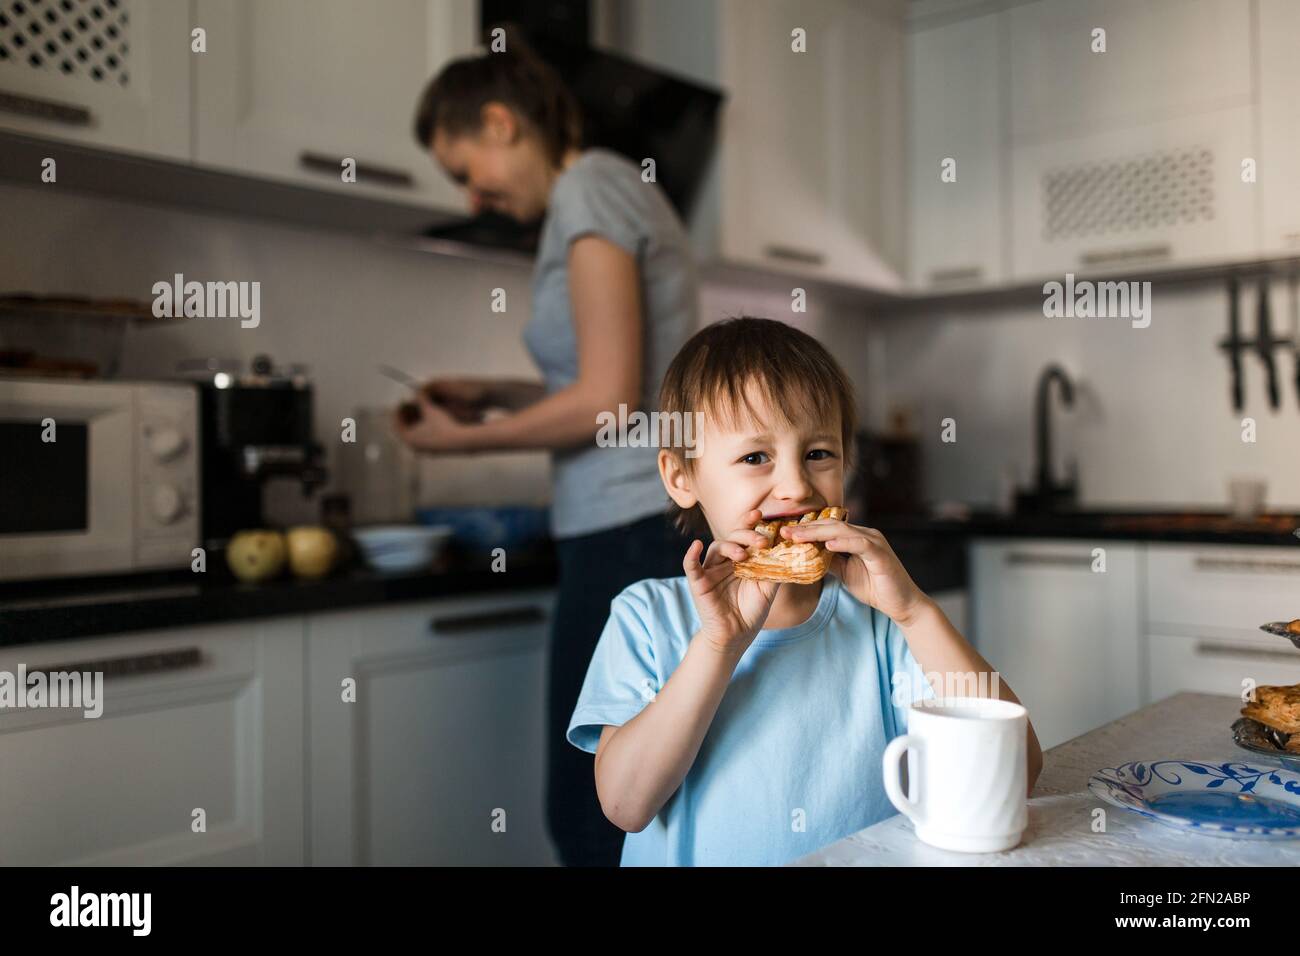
column 628, row 107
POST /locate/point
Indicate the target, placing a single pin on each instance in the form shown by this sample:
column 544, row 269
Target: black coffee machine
column 256, row 424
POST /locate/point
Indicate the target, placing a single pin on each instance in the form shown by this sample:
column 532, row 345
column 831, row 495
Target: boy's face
column 781, row 470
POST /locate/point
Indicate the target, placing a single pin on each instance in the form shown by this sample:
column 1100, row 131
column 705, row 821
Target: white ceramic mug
column 967, row 765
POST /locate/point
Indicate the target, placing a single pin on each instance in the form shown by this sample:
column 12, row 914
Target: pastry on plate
column 1292, row 745
column 791, row 562
column 1276, row 707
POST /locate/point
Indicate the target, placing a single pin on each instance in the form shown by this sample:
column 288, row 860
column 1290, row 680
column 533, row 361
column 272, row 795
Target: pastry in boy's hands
column 792, row 562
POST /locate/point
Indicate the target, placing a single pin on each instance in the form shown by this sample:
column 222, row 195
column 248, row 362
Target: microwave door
column 66, row 482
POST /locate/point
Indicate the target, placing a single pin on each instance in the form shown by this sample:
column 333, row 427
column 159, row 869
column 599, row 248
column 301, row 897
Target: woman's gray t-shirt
column 602, row 194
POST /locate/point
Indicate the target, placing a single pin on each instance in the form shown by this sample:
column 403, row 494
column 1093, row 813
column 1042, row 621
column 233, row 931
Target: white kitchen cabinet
column 441, row 758
column 1279, row 126
column 289, row 89
column 1163, row 195
column 1132, row 158
column 1163, row 59
column 1204, row 607
column 1226, row 590
column 957, row 234
column 811, row 144
column 955, row 604
column 210, row 719
column 1064, row 636
column 1217, row 664
column 105, row 73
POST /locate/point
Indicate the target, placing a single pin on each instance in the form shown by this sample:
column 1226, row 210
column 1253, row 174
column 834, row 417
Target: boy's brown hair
column 794, row 372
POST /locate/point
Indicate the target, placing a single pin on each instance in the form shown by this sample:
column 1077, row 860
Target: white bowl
column 401, row 547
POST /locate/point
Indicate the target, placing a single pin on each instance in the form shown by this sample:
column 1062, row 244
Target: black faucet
column 1048, row 495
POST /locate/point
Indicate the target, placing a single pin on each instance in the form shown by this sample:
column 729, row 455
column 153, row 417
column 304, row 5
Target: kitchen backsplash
column 1152, row 425
column 338, row 303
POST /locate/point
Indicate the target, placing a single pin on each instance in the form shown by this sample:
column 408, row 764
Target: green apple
column 312, row 550
column 256, row 555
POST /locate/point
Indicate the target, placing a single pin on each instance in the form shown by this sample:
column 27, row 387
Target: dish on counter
column 1232, row 800
column 1261, row 739
column 401, row 547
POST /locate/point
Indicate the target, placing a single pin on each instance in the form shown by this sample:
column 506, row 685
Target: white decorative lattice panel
column 78, row 38
column 1166, row 189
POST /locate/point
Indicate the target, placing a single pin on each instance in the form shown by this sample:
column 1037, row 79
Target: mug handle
column 893, row 784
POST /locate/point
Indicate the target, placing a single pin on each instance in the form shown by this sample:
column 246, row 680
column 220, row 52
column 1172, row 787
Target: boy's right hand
column 732, row 610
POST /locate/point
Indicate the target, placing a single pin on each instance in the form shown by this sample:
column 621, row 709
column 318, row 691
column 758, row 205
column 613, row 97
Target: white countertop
column 1185, row 726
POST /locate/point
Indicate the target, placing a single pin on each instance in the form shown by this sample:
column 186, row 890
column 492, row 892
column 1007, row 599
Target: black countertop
column 932, row 550
column 32, row 612
column 1192, row 527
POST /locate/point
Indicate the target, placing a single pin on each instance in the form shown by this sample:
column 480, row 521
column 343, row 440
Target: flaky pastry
column 1276, row 707
column 791, row 562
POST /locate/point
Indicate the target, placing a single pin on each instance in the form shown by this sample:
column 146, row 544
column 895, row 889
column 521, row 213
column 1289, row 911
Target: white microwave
column 97, row 477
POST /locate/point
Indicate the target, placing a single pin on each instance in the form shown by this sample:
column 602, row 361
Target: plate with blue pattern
column 1234, row 800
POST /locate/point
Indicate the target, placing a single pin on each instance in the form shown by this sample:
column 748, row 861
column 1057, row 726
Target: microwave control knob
column 166, row 443
column 167, row 503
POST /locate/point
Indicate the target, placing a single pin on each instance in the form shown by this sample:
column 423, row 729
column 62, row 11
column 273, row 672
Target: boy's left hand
column 866, row 564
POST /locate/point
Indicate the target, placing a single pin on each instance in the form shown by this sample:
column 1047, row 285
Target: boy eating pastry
column 737, row 719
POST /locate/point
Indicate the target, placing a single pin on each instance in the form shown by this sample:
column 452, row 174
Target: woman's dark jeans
column 594, row 568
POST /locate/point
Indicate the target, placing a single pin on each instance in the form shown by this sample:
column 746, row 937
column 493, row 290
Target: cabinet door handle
column 1253, row 565
column 1101, row 257
column 157, row 662
column 469, row 623
column 67, row 113
column 790, row 253
column 369, row 172
column 1218, row 649
column 1050, row 560
column 958, row 274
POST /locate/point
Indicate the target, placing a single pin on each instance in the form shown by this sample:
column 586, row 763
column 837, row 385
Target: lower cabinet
column 1061, row 632
column 1205, row 604
column 954, row 603
column 432, row 752
column 427, row 733
column 198, row 724
column 1082, row 648
column 1218, row 664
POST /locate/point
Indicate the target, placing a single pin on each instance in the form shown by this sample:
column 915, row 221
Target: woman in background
column 614, row 296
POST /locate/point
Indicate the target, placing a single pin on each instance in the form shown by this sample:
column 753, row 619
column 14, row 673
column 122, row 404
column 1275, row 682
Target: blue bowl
column 486, row 528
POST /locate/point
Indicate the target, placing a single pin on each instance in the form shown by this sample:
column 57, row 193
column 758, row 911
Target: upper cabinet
column 1279, row 109
column 106, row 73
column 290, row 89
column 957, row 237
column 1131, row 157
column 811, row 148
column 810, row 142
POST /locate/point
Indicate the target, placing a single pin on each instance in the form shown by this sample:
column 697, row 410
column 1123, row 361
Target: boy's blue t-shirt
column 792, row 760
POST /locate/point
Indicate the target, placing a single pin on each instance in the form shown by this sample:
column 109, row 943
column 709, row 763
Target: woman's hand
column 434, row 431
column 732, row 610
column 466, row 399
column 866, row 564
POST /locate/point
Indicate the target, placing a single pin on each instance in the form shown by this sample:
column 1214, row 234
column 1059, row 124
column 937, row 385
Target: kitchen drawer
column 1190, row 586
column 1216, row 665
column 193, row 718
